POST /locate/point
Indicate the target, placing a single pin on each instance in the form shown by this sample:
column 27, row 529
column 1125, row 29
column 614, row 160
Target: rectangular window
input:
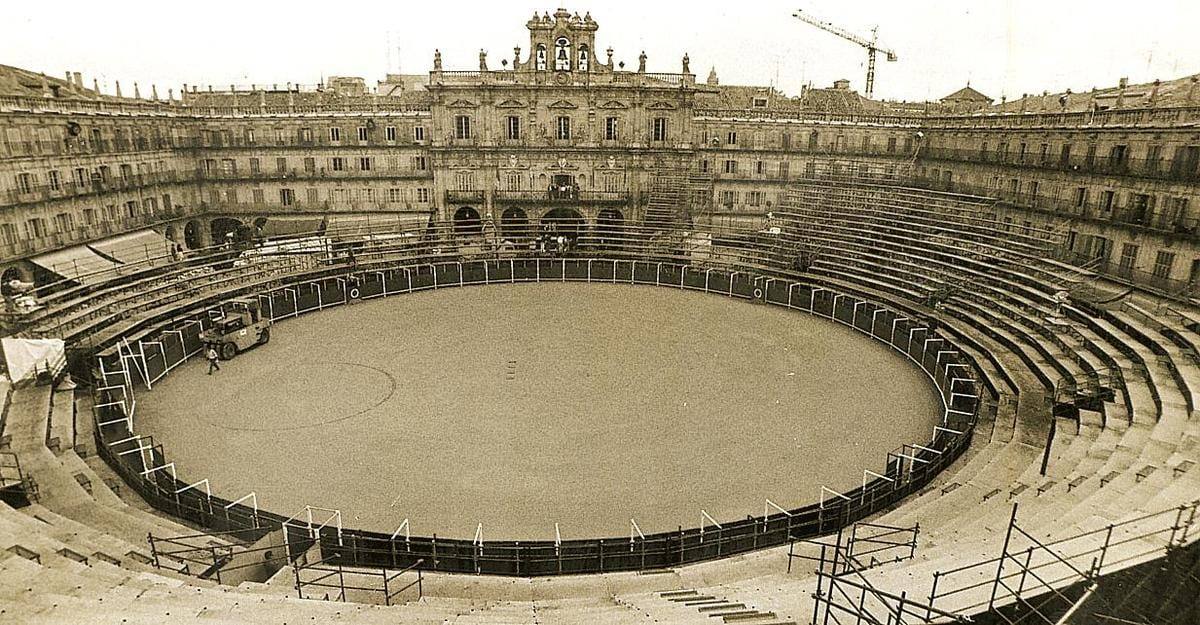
column 281, row 165
column 1080, row 197
column 306, row 135
column 423, row 195
column 513, row 126
column 53, row 180
column 257, row 194
column 728, row 198
column 25, row 183
column 249, row 136
column 337, row 163
column 1129, row 253
column 731, row 167
column 659, row 132
column 611, row 132
column 335, row 134
column 1162, row 264
column 731, row 138
column 1106, row 200
column 418, row 133
column 287, row 197
column 364, row 163
column 395, row 195
column 462, row 127
column 754, row 198
column 312, row 196
column 255, row 166
column 419, row 163
column 563, row 128
column 389, row 133
column 310, row 164
column 759, row 167
column 704, row 166
column 363, row 133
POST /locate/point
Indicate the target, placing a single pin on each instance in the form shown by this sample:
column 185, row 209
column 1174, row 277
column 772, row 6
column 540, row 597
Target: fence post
column 932, row 595
column 153, row 548
column 1003, row 554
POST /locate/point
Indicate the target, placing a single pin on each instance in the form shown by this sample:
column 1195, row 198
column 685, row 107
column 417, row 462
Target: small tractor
column 240, row 327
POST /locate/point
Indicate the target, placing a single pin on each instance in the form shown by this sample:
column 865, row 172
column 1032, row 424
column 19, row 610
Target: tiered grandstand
column 1059, row 486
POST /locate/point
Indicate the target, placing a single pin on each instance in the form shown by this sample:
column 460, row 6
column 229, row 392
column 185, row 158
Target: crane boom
column 870, row 44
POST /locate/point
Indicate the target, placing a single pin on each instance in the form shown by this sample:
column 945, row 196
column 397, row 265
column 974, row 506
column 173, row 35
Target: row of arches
column 516, row 222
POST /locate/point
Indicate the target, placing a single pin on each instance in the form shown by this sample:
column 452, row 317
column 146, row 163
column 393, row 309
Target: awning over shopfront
column 145, row 247
column 79, row 263
column 344, row 226
column 290, row 226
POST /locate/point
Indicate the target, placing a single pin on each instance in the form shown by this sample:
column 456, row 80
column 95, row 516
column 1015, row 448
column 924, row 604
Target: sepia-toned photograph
column 494, row 313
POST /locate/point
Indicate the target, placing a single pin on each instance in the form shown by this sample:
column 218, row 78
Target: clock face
column 562, row 78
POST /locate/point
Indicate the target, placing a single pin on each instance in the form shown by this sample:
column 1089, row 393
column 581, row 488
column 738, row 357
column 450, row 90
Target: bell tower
column 562, row 43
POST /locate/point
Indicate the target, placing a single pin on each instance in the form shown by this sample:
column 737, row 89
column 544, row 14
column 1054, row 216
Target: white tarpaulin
column 25, row 358
column 143, row 246
column 78, row 263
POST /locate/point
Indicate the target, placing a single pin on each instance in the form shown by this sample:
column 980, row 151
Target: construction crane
column 870, row 44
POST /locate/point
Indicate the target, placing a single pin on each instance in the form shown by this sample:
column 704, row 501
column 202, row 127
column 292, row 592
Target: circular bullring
column 529, row 405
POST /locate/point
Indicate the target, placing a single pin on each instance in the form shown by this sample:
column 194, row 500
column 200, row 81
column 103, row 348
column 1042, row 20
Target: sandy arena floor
column 524, row 405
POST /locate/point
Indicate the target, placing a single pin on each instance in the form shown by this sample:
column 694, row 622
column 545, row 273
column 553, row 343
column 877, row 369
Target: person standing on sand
column 213, row 359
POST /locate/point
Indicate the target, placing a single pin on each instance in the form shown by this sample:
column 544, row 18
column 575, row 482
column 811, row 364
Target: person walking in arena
column 213, row 359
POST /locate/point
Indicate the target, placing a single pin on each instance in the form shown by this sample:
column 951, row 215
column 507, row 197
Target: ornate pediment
column 461, row 104
column 661, row 106
column 562, row 104
column 510, row 104
column 613, row 105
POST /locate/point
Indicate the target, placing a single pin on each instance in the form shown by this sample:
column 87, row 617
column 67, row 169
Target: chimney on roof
column 137, row 94
column 70, row 83
column 46, row 87
column 154, row 92
column 1154, row 91
column 1024, row 101
column 118, row 87
column 1124, row 82
column 96, row 85
column 79, row 81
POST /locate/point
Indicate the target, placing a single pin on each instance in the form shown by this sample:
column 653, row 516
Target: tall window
column 462, row 127
column 731, row 138
column 513, row 127
column 731, row 167
column 659, row 129
column 363, row 133
column 418, row 133
column 611, row 126
column 1162, row 264
column 335, row 134
column 564, row 128
column 287, row 197
column 364, row 163
column 562, row 55
column 389, row 133
column 539, row 57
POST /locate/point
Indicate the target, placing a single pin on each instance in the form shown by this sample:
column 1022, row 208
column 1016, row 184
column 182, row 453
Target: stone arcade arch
column 514, row 223
column 193, row 238
column 467, row 221
column 223, row 227
column 566, row 221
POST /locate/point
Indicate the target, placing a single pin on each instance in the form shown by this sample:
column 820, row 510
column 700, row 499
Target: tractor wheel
column 228, row 351
column 264, row 336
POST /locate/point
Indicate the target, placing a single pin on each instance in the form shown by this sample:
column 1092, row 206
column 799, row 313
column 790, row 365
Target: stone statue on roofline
column 642, row 62
column 687, row 62
column 482, row 61
column 437, row 60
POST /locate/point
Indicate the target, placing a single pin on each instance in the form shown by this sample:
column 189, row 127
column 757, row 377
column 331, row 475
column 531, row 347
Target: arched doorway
column 565, row 221
column 191, row 235
column 514, row 223
column 467, row 221
column 227, row 230
column 609, row 226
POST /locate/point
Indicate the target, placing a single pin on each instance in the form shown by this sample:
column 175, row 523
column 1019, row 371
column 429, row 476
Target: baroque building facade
column 561, row 132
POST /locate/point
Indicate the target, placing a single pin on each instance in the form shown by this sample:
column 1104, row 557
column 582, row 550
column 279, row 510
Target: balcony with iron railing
column 558, row 196
column 1148, row 219
column 83, row 147
column 321, row 174
column 376, row 139
column 74, row 189
column 465, row 195
column 1178, row 169
column 78, row 235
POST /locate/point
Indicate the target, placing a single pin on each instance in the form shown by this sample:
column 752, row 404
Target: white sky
column 1002, row 46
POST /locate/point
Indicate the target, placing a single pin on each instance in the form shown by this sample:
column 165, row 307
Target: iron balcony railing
column 1180, row 168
